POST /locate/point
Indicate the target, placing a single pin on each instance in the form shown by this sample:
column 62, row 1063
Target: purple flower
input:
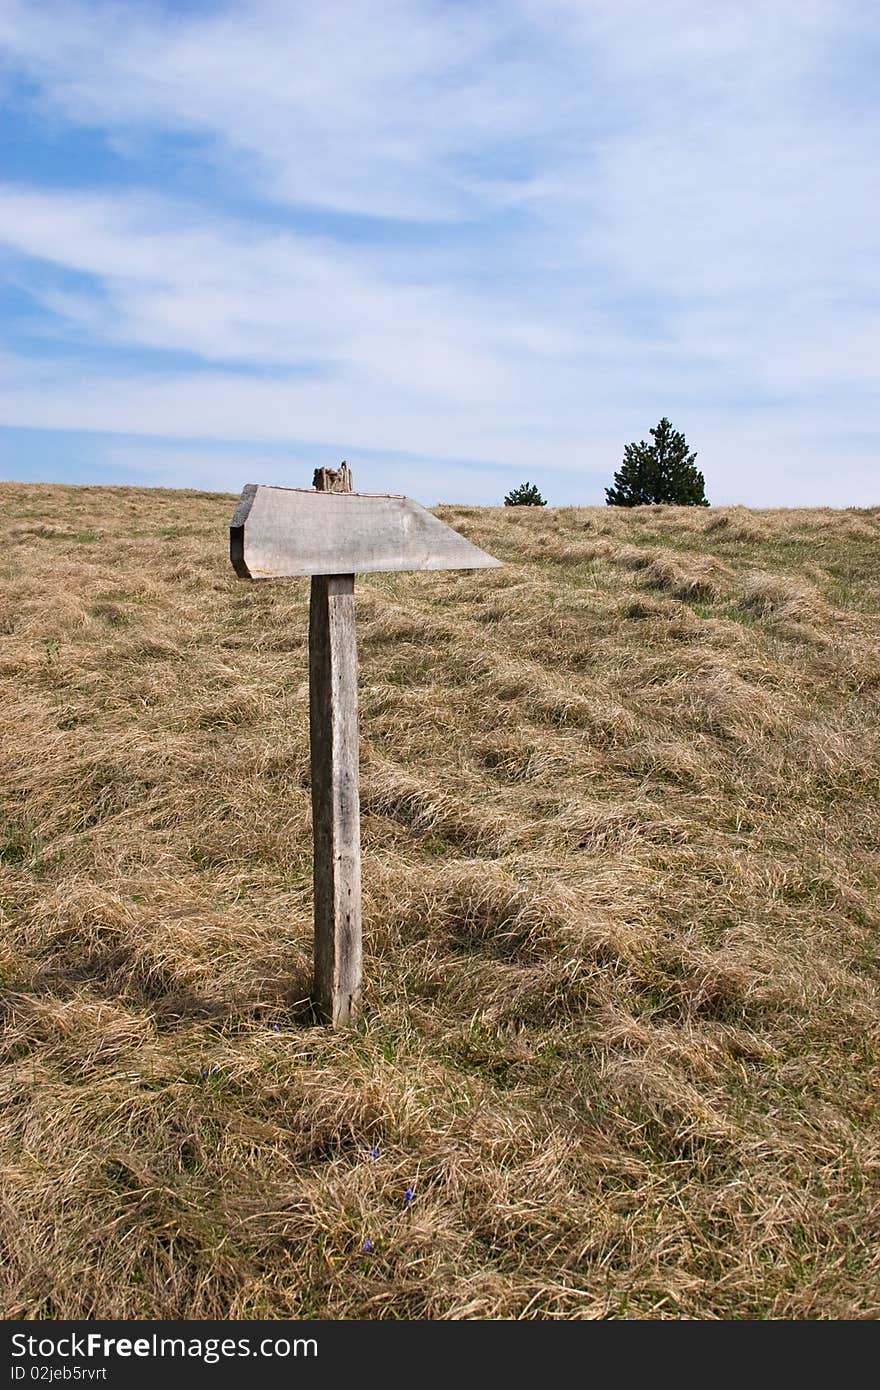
column 368, row 1245
column 204, row 1073
column 375, row 1153
column 408, row 1196
column 214, row 1069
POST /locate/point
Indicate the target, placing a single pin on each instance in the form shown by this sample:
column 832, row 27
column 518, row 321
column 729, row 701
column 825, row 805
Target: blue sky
column 461, row 244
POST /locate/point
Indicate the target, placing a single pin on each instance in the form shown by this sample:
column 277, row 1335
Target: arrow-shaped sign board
column 277, row 533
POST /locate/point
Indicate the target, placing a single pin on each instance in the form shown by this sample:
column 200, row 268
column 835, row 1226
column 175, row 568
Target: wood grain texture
column 336, row 816
column 280, row 532
column 333, row 479
column 333, row 727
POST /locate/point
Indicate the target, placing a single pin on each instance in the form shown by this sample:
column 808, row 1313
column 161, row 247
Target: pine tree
column 660, row 472
column 526, row 495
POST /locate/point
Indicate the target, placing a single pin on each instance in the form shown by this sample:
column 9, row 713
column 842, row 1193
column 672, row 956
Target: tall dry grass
column 622, row 850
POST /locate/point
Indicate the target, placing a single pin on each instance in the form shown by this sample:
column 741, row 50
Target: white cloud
column 362, row 108
column 593, row 214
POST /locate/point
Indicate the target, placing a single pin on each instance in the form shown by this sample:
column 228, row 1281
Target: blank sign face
column 279, row 532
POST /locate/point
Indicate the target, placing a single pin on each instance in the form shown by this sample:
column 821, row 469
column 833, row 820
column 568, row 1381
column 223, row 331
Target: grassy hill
column 621, row 858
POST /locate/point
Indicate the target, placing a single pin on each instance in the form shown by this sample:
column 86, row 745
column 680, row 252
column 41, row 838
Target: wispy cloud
column 503, row 236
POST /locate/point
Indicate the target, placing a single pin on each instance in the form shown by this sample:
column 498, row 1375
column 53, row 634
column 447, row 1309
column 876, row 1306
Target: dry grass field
column 621, row 857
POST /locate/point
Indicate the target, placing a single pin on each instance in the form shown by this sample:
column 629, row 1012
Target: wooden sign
column 278, row 532
column 331, row 534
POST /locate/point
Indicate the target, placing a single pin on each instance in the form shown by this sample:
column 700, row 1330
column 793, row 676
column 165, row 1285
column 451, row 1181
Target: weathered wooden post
column 336, row 811
column 331, row 534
